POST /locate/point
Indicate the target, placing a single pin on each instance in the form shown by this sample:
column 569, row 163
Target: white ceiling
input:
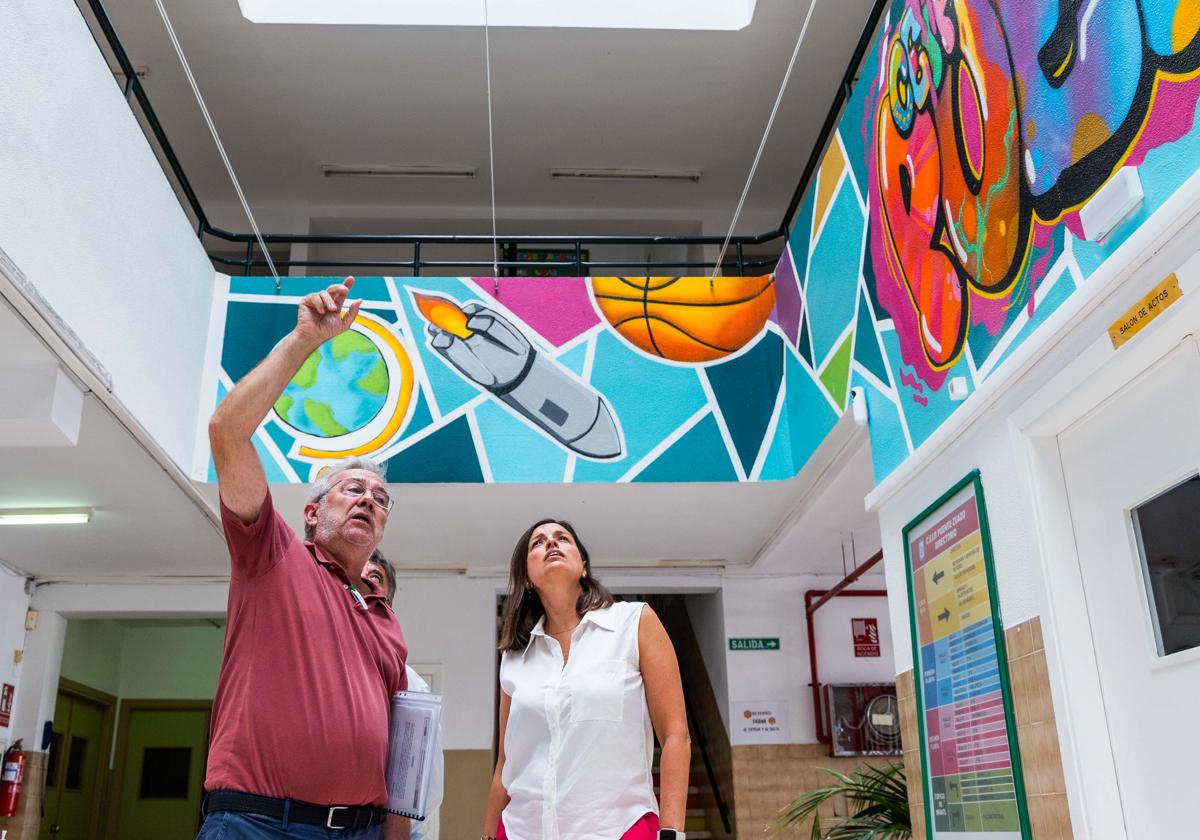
column 288, row 98
column 146, row 527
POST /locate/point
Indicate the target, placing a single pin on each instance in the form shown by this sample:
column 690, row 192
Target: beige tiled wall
column 766, row 777
column 24, row 825
column 1037, row 734
column 467, row 781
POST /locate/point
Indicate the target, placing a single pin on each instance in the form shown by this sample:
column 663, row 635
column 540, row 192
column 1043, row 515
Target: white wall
column 707, row 614
column 835, row 641
column 13, row 604
column 89, row 217
column 765, row 606
column 92, row 654
column 452, row 622
column 981, row 434
column 150, row 660
column 171, row 663
column 985, row 447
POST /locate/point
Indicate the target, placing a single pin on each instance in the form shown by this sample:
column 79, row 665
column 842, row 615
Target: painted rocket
column 488, row 350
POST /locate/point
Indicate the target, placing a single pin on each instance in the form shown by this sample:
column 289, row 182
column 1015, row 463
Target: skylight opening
column 729, row 15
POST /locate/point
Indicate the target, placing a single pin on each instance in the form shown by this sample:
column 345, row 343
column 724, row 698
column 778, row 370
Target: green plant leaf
column 877, row 795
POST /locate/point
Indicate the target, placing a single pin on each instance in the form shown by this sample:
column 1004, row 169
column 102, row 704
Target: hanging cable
column 187, row 69
column 763, row 143
column 487, row 52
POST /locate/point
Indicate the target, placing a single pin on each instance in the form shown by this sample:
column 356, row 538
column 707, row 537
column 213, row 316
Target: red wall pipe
column 810, row 608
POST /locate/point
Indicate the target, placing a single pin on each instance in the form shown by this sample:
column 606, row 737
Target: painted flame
column 443, row 314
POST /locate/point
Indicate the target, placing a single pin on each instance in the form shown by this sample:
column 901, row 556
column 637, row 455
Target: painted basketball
column 686, row 319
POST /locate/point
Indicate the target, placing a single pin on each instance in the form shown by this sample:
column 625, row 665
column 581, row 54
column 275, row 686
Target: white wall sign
column 760, row 721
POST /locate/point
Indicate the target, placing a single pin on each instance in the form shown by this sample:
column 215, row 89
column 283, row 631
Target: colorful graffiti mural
column 993, row 120
column 940, row 232
column 943, row 227
column 535, row 380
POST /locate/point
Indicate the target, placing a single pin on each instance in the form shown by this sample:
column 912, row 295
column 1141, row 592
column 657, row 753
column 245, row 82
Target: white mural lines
column 268, row 443
column 589, row 363
column 819, row 224
column 209, row 376
column 417, row 437
column 485, row 466
column 835, row 346
column 1072, row 264
column 722, row 427
column 664, row 444
column 889, row 395
column 582, row 338
column 409, row 339
column 887, row 390
column 862, row 201
column 970, row 358
column 589, row 358
column 1018, row 324
column 865, row 300
column 764, row 448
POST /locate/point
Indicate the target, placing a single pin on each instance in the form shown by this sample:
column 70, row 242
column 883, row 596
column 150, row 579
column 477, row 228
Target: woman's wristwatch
column 671, row 834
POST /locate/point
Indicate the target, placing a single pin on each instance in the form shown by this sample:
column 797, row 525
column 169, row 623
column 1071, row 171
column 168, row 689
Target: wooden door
column 80, row 742
column 163, row 750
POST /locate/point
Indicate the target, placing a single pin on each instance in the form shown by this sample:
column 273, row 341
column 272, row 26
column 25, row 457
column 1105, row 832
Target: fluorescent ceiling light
column 569, row 14
column 45, row 516
column 330, row 170
column 580, row 174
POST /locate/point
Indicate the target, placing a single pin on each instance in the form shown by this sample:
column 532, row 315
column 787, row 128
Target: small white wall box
column 40, row 405
column 858, row 403
column 958, row 388
column 1111, row 204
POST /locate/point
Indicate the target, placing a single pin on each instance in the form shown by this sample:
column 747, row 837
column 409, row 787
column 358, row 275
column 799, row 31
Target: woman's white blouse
column 579, row 744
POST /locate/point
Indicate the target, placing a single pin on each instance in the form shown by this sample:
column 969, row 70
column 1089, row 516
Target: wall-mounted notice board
column 971, row 767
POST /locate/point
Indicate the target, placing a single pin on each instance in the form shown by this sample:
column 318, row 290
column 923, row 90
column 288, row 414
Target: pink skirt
column 644, row 829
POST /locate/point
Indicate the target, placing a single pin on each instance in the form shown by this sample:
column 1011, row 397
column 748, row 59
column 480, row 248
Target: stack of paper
column 412, row 745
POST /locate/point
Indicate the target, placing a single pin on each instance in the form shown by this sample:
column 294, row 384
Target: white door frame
column 1088, row 763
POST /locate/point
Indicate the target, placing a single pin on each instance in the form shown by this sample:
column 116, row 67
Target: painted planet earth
column 339, row 389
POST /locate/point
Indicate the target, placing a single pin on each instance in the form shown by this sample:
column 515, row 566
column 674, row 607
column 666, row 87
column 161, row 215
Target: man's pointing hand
column 320, row 315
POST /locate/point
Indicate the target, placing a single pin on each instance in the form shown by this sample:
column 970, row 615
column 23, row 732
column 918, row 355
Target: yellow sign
column 1145, row 311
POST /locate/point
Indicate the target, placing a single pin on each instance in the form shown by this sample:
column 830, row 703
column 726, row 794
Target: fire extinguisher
column 10, row 779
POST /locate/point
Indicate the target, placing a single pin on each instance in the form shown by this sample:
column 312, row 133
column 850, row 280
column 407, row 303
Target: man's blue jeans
column 227, row 825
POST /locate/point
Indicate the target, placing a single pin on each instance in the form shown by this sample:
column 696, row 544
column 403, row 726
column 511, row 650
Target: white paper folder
column 412, row 745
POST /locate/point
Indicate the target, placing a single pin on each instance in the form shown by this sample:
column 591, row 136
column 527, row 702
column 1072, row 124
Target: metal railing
column 579, row 263
column 702, row 743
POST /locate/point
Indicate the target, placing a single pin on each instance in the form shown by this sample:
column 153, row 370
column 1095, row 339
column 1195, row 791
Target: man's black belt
column 330, row 816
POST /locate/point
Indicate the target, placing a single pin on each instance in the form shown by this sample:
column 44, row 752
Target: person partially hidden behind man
column 379, row 577
column 300, row 720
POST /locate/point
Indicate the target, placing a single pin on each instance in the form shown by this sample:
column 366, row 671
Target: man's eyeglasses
column 356, row 489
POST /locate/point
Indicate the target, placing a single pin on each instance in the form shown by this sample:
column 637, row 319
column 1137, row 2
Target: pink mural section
column 557, row 308
column 992, row 124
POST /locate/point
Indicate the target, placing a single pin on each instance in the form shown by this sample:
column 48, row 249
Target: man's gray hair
column 321, row 487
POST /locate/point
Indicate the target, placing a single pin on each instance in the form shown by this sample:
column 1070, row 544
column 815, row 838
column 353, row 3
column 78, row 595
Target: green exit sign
column 754, row 644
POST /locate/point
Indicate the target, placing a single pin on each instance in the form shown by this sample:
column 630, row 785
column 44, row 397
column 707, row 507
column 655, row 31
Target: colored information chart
column 972, row 775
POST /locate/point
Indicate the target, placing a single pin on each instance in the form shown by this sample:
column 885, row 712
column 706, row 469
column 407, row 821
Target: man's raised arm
column 240, row 476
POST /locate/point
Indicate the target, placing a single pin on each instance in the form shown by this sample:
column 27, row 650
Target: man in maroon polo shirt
column 300, row 720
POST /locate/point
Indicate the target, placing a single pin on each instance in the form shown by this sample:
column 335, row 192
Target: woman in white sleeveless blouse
column 586, row 683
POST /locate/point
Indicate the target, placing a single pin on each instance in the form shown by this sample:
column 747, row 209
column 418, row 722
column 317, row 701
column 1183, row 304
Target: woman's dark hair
column 522, row 606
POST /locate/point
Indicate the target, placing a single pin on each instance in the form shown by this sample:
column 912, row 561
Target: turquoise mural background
column 939, row 233
column 942, row 227
column 755, row 414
